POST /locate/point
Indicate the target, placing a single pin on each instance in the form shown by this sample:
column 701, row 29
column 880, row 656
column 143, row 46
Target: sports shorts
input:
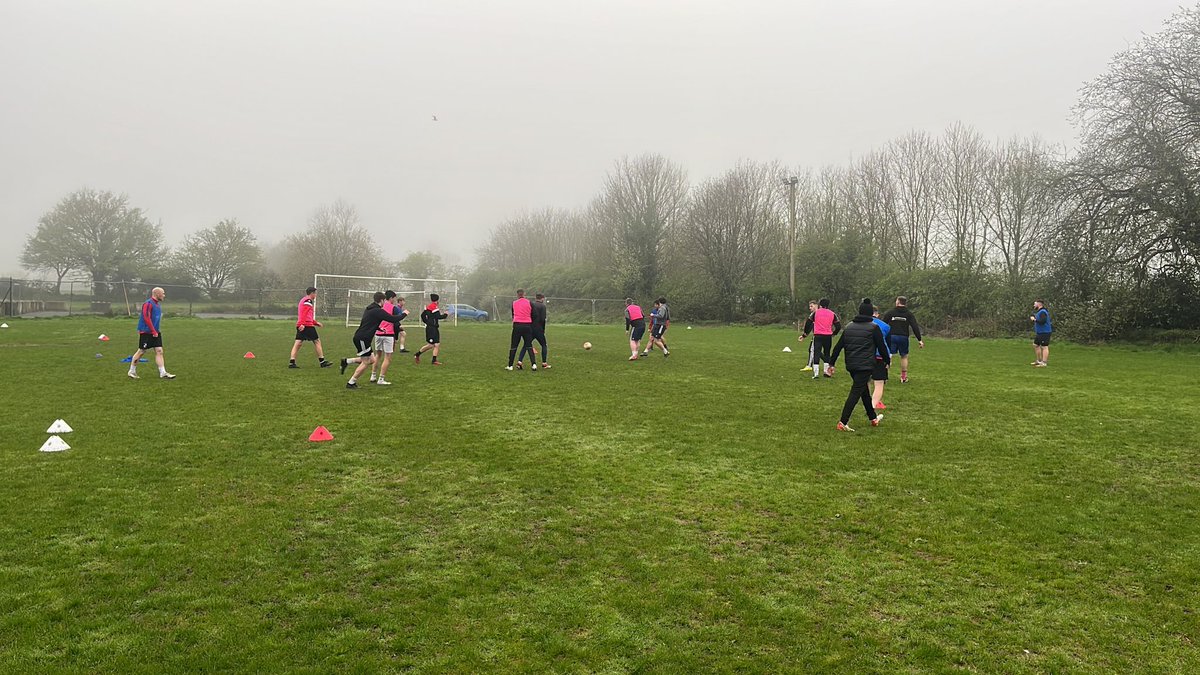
column 898, row 344
column 385, row 343
column 433, row 335
column 880, row 372
column 658, row 330
column 1041, row 339
column 148, row 341
column 362, row 346
column 307, row 333
column 639, row 329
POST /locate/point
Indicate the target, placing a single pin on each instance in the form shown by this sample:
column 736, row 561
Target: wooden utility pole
column 792, row 182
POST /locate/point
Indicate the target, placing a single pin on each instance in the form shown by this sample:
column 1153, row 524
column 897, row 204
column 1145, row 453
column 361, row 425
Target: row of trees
column 100, row 235
column 969, row 228
column 973, row 229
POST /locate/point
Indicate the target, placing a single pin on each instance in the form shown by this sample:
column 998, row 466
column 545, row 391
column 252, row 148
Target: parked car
column 466, row 312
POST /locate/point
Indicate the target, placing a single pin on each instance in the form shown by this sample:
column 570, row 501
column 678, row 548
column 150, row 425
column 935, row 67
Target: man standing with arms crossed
column 306, row 327
column 1041, row 334
column 149, row 337
column 901, row 321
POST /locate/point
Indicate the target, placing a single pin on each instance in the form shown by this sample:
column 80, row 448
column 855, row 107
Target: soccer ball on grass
column 587, row 345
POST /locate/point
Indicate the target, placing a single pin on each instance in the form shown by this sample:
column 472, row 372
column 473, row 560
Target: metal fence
column 41, row 298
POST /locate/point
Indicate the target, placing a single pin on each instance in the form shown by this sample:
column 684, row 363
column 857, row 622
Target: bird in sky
column 435, row 118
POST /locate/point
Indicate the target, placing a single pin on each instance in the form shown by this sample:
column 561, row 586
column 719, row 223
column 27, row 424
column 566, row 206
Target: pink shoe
column 880, row 406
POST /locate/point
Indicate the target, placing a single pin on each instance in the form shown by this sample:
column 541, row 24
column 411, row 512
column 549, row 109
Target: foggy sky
column 262, row 111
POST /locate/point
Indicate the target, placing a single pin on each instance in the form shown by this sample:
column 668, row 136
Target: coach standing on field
column 1041, row 334
column 149, row 335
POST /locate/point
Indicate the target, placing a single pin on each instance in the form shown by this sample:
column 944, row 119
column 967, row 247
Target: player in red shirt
column 306, row 327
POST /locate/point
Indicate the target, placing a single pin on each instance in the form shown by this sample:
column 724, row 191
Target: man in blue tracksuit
column 1041, row 334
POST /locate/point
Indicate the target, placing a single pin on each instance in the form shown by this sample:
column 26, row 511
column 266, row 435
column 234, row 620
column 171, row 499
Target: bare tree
column 1022, row 209
column 641, row 202
column 735, row 228
column 915, row 163
column 335, row 242
column 961, row 196
column 536, row 238
column 874, row 177
column 1141, row 147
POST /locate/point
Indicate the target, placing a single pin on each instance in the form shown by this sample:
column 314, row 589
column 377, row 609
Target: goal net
column 346, row 296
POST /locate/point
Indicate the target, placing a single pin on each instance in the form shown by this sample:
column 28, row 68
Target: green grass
column 684, row 515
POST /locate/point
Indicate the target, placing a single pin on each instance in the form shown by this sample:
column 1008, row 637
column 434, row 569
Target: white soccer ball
column 587, row 345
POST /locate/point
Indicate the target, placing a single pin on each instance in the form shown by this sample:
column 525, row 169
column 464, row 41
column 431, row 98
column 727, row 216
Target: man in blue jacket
column 149, row 335
column 1041, row 334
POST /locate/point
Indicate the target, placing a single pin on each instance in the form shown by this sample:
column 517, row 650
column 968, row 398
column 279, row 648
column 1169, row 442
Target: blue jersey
column 887, row 330
column 1041, row 323
column 150, row 317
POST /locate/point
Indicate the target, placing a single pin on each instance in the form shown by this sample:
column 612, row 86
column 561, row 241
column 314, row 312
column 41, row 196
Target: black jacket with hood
column 861, row 340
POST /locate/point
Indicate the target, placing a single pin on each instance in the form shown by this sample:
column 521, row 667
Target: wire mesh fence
column 48, row 298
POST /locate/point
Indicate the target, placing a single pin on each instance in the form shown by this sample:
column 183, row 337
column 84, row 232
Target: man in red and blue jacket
column 149, row 335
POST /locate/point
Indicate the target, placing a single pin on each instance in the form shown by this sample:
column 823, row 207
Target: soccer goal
column 343, row 295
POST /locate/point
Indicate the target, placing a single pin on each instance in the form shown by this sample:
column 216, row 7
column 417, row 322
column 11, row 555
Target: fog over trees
column 971, row 228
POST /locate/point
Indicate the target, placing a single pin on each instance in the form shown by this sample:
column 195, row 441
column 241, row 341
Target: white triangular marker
column 60, row 427
column 54, row 444
column 3, row 325
column 787, row 349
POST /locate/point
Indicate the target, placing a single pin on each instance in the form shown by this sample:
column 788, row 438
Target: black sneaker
column 293, row 365
column 344, row 364
column 352, row 385
column 326, row 364
column 403, row 351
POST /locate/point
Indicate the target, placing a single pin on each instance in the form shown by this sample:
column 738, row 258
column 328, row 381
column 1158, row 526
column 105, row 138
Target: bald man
column 149, row 336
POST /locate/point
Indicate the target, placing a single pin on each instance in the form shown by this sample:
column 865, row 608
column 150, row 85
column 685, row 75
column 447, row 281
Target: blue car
column 466, row 312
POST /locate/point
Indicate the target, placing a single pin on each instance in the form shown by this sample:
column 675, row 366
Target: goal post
column 341, row 295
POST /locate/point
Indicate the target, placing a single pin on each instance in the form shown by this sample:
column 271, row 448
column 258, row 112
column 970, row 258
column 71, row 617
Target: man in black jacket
column 364, row 338
column 861, row 340
column 901, row 320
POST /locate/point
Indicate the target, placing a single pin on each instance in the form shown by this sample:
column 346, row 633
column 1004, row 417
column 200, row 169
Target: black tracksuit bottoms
column 859, row 391
column 521, row 332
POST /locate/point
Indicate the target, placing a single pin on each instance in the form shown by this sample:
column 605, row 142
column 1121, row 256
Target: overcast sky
column 261, row 111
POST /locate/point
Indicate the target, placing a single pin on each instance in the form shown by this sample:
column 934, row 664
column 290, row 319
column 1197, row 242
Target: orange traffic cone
column 320, row 434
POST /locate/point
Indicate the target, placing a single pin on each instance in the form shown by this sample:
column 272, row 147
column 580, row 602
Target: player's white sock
column 162, row 370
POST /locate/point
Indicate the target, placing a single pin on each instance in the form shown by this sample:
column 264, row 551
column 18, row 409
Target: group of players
column 378, row 333
column 869, row 342
column 380, row 329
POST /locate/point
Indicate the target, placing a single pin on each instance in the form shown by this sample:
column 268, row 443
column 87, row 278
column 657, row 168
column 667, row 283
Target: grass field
column 684, row 515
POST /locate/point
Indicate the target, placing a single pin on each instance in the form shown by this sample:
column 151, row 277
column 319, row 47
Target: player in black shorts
column 364, row 338
column 662, row 321
column 431, row 316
